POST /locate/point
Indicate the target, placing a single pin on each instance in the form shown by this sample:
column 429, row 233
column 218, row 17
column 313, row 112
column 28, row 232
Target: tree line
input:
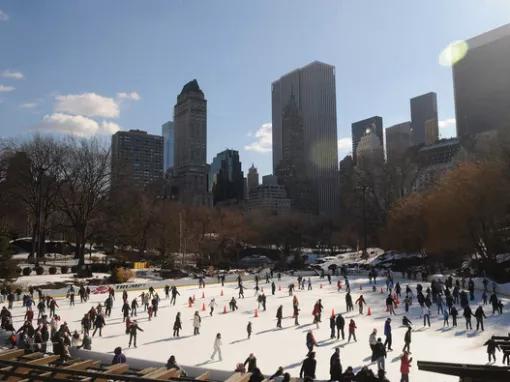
column 59, row 188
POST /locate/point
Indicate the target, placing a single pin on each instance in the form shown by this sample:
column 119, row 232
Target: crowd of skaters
column 445, row 295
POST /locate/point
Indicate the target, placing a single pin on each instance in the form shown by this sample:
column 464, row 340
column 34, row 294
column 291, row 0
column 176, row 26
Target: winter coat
column 479, row 314
column 379, row 350
column 372, row 339
column 335, row 367
column 217, row 343
column 310, row 340
column 491, row 346
column 407, row 337
column 405, row 364
column 340, row 321
column 177, row 324
column 387, row 328
column 252, row 363
column 352, row 327
column 308, row 368
column 196, row 321
column 118, row 358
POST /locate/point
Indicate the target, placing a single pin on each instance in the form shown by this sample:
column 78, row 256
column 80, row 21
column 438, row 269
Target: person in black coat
column 308, row 367
column 177, row 324
column 279, row 316
column 407, row 340
column 479, row 315
column 332, row 325
column 256, row 376
column 492, row 346
column 340, row 324
column 454, row 313
column 251, row 361
column 335, row 366
column 467, row 315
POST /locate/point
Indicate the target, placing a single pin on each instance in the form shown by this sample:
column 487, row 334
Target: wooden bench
column 203, row 376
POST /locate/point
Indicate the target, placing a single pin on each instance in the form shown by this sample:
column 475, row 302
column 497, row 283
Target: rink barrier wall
column 184, row 282
column 501, row 289
column 136, row 363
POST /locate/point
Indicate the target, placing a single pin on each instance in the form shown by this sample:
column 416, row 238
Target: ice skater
column 492, row 346
column 133, row 329
column 279, row 316
column 197, row 321
column 212, row 305
column 249, row 329
column 217, row 347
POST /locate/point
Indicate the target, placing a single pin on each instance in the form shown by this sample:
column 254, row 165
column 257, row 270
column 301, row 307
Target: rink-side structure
column 473, row 373
column 18, row 365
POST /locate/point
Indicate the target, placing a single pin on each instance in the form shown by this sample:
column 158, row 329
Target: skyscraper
column 313, row 87
column 137, row 158
column 226, row 179
column 168, row 145
column 424, row 121
column 366, row 126
column 481, row 83
column 190, row 133
column 253, row 178
column 291, row 169
column 398, row 141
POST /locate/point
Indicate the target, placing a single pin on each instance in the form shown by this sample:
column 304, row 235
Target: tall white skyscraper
column 168, row 145
column 313, row 87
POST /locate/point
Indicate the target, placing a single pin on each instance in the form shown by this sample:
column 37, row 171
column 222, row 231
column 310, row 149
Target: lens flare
column 453, row 53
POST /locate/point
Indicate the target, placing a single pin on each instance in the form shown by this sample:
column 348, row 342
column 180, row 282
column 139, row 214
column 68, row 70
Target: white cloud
column 77, row 125
column 28, row 105
column 263, row 139
column 108, row 128
column 5, row 88
column 12, row 74
column 344, row 147
column 447, row 123
column 87, row 104
column 131, row 96
column 447, row 128
column 3, row 16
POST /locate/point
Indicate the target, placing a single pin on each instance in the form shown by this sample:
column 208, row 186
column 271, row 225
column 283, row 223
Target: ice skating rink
column 286, row 347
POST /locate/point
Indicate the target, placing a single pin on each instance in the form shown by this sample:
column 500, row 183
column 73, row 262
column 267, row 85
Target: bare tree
column 34, row 180
column 85, row 171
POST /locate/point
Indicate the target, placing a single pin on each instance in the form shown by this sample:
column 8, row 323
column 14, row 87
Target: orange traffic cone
column 221, row 294
column 369, row 312
column 332, row 312
column 203, row 295
column 321, row 286
column 224, row 309
column 256, row 313
column 203, row 307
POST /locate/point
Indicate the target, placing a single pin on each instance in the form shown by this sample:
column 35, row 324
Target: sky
column 92, row 67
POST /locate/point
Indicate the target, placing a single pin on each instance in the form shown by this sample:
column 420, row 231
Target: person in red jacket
column 405, row 364
column 352, row 331
column 29, row 315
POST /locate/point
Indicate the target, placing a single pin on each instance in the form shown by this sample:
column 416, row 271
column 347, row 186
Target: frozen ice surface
column 286, row 347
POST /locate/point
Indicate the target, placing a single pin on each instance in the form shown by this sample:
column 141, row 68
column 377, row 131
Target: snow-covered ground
column 285, row 347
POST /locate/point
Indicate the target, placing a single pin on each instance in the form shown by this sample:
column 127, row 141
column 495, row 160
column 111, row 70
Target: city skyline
column 90, row 81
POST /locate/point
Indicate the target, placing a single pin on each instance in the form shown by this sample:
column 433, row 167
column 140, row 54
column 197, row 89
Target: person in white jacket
column 217, row 347
column 197, row 320
column 212, row 305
